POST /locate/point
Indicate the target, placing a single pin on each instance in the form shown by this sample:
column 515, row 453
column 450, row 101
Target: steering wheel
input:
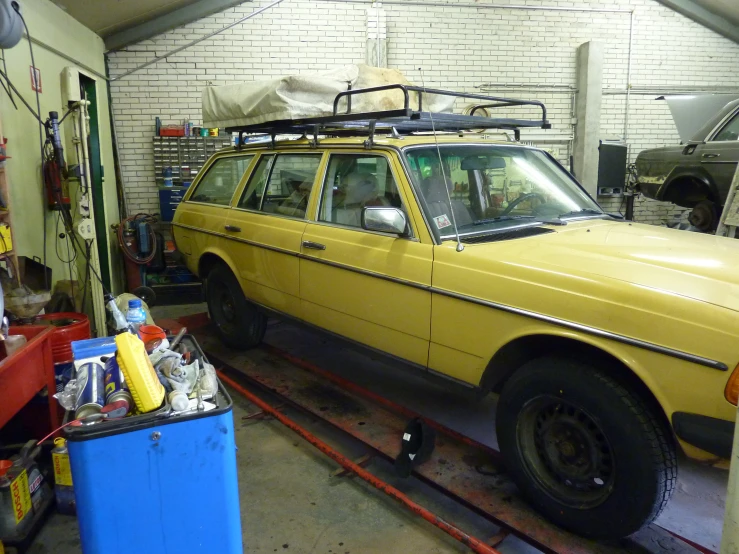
column 520, row 199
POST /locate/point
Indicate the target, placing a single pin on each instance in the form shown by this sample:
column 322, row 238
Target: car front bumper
column 707, row 433
column 650, row 190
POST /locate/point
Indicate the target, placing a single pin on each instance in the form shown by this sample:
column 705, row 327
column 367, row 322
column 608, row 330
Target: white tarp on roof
column 312, row 95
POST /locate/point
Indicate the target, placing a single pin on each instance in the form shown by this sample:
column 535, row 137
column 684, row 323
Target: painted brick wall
column 456, row 46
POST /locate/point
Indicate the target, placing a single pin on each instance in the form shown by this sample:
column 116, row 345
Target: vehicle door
column 370, row 287
column 199, row 220
column 720, row 154
column 266, row 224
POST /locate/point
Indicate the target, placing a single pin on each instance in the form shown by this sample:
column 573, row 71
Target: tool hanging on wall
column 55, row 171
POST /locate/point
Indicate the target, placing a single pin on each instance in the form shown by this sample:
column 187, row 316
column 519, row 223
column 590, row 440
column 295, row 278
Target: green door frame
column 96, row 178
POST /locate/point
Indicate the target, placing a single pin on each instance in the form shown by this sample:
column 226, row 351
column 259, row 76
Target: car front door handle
column 711, row 155
column 313, row 245
column 232, row 228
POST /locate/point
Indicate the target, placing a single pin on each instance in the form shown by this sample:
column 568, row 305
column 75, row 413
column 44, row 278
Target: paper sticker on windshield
column 442, row 221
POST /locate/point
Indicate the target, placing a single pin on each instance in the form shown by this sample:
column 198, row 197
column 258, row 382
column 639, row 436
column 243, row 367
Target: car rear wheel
column 587, row 452
column 239, row 323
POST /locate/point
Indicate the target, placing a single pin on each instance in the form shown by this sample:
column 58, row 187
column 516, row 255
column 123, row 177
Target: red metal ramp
column 462, row 468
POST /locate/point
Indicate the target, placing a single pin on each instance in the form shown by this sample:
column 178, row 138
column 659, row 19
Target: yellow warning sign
column 21, row 496
column 62, row 471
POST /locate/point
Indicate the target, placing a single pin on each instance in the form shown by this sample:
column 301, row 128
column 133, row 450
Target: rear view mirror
column 478, row 163
column 384, row 220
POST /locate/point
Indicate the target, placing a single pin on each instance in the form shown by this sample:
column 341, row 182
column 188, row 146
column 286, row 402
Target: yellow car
column 611, row 344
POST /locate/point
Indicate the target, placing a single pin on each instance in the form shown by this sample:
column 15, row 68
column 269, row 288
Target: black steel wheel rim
column 225, row 308
column 565, row 452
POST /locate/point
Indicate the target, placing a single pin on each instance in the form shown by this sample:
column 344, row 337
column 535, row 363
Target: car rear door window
column 282, row 184
column 354, row 181
column 217, row 186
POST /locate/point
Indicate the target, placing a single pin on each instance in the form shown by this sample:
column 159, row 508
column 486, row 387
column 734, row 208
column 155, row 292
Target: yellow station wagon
column 611, row 344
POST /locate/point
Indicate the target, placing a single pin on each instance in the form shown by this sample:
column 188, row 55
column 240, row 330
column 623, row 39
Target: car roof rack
column 399, row 121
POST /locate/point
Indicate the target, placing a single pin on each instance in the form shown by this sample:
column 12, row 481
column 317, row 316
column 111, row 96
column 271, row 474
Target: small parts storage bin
column 158, row 483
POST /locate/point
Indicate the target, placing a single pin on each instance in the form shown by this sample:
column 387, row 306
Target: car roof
column 712, row 123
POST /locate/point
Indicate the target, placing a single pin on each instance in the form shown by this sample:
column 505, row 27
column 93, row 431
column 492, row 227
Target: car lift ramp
column 460, row 467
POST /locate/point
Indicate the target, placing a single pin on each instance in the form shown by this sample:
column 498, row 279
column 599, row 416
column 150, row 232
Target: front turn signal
column 731, row 392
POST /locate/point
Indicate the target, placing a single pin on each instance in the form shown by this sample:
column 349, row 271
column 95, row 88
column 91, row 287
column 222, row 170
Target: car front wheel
column 587, row 452
column 239, row 323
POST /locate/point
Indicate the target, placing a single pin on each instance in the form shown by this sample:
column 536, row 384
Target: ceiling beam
column 167, row 22
column 705, row 17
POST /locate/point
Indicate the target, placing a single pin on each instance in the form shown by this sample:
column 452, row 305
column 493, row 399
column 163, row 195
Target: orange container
column 150, row 332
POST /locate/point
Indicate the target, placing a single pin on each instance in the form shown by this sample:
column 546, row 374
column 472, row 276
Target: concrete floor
column 290, row 503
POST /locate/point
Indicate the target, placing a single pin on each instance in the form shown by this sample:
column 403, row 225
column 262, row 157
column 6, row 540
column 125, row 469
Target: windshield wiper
column 545, row 220
column 585, row 211
column 502, row 218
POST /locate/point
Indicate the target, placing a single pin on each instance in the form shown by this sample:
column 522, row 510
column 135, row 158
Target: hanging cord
column 17, row 9
column 66, row 213
column 131, row 255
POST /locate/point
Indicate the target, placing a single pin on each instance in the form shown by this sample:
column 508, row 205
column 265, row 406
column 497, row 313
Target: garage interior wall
column 51, row 26
column 514, row 52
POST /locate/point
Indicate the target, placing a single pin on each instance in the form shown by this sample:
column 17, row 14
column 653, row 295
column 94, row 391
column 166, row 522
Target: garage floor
column 290, row 502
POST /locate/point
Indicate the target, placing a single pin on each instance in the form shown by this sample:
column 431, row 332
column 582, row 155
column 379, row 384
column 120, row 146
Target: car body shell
column 661, row 305
column 700, row 169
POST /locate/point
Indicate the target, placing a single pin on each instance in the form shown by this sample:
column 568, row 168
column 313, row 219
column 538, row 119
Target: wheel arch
column 688, row 188
column 210, row 259
column 525, row 348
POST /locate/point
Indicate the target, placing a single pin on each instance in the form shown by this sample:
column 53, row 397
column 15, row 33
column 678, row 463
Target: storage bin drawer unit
column 169, row 199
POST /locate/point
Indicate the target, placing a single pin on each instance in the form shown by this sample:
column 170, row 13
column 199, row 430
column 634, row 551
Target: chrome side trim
column 366, row 272
column 237, row 239
column 707, row 362
column 713, row 364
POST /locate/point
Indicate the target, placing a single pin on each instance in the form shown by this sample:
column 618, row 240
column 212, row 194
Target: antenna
column 460, row 246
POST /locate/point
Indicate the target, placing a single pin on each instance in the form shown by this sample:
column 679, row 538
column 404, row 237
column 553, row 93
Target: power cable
column 40, row 131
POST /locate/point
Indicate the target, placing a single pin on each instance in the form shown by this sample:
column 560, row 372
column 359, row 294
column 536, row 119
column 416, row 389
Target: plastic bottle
column 136, row 316
column 178, row 400
column 119, row 319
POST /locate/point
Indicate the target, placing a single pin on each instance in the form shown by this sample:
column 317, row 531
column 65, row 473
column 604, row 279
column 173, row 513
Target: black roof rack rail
column 401, row 120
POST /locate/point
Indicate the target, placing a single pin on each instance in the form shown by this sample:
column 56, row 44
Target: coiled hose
column 133, row 222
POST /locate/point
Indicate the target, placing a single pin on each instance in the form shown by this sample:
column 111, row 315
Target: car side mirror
column 384, row 220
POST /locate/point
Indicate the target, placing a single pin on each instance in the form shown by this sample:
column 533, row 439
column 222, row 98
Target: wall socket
column 86, row 229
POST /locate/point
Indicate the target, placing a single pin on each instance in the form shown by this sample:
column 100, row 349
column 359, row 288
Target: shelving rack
column 186, row 156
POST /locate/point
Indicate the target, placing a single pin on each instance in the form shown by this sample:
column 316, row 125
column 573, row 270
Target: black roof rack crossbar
column 403, row 120
column 497, row 101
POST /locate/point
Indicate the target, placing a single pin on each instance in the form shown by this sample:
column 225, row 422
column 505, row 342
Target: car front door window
column 353, row 182
column 730, row 131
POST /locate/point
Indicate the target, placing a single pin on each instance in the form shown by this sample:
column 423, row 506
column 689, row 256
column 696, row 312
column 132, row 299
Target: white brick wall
column 457, row 46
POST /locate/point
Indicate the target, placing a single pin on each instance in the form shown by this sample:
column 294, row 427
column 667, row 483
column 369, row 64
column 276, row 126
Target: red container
column 69, row 326
column 27, row 371
column 172, row 131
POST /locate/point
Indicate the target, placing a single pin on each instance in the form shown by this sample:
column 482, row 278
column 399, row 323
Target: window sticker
column 442, row 221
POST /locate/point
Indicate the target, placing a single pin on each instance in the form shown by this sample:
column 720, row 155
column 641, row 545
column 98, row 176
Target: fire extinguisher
column 57, row 190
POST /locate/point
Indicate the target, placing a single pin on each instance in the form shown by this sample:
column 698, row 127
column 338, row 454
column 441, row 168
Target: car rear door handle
column 711, row 155
column 232, row 228
column 313, row 245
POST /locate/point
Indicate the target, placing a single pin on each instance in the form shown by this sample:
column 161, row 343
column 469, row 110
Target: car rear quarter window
column 281, row 184
column 217, row 186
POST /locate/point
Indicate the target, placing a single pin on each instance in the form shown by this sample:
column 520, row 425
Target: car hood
column 691, row 265
column 691, row 112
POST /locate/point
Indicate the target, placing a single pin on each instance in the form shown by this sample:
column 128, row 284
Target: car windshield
column 492, row 187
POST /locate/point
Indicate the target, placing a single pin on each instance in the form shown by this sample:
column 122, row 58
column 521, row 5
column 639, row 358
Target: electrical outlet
column 85, row 206
column 86, row 229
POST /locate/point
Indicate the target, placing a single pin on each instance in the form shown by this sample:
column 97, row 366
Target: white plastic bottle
column 136, row 315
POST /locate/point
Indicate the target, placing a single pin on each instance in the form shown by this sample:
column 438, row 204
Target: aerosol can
column 63, row 488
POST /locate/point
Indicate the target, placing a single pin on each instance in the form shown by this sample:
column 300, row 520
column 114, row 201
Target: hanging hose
column 132, row 222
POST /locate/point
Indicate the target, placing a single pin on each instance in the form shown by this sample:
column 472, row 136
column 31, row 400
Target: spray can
column 63, row 487
column 90, row 390
column 115, row 386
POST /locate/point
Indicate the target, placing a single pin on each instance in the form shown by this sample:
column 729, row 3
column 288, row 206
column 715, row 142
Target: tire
column 240, row 325
column 587, row 452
